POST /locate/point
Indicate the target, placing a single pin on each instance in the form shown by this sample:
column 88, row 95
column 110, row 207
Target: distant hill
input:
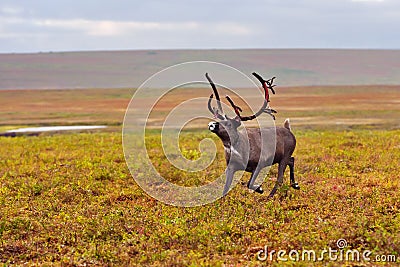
column 116, row 69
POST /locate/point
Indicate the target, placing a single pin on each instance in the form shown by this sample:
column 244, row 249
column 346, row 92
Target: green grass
column 70, row 199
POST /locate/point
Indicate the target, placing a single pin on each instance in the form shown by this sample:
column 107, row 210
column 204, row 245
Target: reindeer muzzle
column 213, row 126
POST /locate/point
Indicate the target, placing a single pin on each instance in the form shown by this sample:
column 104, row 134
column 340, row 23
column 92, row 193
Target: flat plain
column 118, row 69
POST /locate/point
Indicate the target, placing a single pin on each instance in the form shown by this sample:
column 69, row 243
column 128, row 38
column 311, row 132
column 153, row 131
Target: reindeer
column 252, row 149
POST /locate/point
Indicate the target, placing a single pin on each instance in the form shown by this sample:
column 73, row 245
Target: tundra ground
column 69, row 199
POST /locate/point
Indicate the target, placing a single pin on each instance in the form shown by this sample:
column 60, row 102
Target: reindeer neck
column 227, row 142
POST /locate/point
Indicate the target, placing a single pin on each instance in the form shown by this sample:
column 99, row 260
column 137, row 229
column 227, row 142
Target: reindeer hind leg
column 293, row 183
column 279, row 181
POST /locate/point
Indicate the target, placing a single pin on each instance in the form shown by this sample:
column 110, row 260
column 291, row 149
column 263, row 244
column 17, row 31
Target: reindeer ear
column 237, row 118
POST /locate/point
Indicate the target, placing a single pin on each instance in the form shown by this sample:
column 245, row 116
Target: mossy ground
column 70, row 200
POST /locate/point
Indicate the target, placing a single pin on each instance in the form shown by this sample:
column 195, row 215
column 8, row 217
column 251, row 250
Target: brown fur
column 252, row 149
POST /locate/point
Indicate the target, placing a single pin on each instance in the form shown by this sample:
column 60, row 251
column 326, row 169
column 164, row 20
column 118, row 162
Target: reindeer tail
column 286, row 124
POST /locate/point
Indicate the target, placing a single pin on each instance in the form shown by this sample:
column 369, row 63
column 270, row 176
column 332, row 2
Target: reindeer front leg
column 251, row 185
column 229, row 172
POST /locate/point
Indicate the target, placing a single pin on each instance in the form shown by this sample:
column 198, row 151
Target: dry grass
column 306, row 106
column 50, row 107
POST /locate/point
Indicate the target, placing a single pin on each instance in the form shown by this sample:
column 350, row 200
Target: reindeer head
column 227, row 127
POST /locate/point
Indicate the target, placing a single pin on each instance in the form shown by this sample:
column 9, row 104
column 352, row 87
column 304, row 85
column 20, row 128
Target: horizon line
column 196, row 49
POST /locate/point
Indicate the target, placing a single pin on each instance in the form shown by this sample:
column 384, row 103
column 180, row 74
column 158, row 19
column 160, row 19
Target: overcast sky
column 69, row 25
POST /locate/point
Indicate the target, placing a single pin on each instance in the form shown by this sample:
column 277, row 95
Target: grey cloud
column 46, row 25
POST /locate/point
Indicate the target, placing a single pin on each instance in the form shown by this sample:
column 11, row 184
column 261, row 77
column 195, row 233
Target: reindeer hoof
column 295, row 186
column 259, row 190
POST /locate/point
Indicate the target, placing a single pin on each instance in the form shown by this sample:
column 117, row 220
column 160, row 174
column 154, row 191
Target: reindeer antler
column 214, row 110
column 267, row 84
column 237, row 109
